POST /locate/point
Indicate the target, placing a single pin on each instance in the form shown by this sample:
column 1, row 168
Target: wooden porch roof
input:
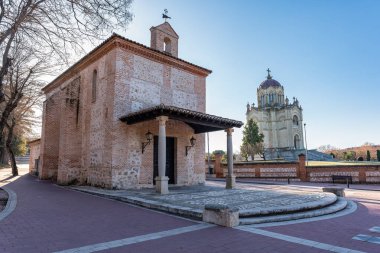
column 200, row 122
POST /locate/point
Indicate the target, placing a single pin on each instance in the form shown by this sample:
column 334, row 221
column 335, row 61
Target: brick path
column 49, row 218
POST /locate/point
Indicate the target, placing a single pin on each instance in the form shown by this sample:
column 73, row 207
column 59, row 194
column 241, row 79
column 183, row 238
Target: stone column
column 230, row 178
column 162, row 180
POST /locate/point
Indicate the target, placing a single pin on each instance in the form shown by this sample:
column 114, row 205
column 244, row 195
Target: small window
column 94, row 83
column 295, row 120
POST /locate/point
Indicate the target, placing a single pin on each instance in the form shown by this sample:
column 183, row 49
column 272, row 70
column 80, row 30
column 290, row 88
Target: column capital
column 162, row 119
column 229, row 131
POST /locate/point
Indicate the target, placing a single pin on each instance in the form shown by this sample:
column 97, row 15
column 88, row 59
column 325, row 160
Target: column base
column 162, row 185
column 230, row 181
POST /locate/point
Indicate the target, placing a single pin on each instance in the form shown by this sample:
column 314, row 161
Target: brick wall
column 94, row 147
column 280, row 170
column 50, row 136
column 269, row 169
column 359, row 173
column 70, row 134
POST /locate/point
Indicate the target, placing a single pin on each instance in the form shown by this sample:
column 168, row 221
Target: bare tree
column 50, row 30
column 21, row 94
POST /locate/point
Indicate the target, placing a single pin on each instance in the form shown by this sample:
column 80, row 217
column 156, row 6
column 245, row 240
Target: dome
column 269, row 82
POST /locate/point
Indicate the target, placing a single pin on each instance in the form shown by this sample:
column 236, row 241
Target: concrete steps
column 338, row 205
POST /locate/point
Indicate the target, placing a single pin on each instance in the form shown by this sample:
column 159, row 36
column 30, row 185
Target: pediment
column 167, row 28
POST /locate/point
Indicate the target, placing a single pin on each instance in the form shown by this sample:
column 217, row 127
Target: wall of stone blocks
column 135, row 169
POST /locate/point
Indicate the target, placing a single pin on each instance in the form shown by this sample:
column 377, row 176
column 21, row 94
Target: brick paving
column 49, row 218
column 340, row 231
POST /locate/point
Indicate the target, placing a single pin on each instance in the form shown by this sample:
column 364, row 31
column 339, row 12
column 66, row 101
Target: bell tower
column 163, row 38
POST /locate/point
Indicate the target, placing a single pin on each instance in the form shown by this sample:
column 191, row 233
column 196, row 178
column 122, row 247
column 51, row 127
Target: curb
column 11, row 203
column 281, row 183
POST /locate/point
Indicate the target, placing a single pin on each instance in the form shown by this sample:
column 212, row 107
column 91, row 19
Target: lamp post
column 304, row 126
column 208, row 155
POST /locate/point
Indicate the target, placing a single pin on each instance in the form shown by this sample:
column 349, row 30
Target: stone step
column 337, row 206
column 284, row 209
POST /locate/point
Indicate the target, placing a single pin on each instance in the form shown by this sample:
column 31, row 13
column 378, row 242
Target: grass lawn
column 347, row 163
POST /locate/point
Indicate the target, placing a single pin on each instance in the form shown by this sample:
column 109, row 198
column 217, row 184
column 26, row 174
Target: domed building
column 279, row 119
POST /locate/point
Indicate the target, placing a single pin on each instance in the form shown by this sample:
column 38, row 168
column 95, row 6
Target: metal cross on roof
column 269, row 76
column 165, row 15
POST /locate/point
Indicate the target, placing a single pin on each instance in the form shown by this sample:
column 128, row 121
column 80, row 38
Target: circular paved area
column 250, row 200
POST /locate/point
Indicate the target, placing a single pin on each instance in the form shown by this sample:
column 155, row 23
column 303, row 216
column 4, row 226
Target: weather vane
column 165, row 15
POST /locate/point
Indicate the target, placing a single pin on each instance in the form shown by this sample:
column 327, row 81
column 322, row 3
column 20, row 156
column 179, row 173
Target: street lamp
column 149, row 138
column 304, row 126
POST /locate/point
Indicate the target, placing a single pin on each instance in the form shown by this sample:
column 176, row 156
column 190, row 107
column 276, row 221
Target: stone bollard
column 221, row 215
column 338, row 191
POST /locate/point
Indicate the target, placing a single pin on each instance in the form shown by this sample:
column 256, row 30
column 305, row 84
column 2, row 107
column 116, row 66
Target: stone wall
column 141, row 83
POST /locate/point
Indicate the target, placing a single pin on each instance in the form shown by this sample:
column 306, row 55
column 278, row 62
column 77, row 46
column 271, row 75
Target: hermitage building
column 129, row 116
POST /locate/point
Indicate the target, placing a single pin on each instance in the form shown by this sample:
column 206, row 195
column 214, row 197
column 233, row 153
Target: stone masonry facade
column 83, row 140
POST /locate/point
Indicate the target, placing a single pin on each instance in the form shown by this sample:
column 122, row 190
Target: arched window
column 94, row 82
column 296, row 141
column 167, row 45
column 295, row 120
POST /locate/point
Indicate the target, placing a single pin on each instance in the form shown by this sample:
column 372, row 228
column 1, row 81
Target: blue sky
column 326, row 53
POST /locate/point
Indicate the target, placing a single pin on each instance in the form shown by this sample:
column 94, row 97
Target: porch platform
column 255, row 202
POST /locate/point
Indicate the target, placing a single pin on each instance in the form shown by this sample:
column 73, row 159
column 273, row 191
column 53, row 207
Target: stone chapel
column 279, row 119
column 129, row 116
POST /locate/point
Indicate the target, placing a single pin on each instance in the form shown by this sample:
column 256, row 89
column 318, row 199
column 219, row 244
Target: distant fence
column 283, row 170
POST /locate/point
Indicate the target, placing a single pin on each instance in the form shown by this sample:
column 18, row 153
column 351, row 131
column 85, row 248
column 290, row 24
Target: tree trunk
column 3, row 154
column 9, row 149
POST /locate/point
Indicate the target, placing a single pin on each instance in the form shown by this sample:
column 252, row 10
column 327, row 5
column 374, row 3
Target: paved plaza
column 49, row 218
column 251, row 200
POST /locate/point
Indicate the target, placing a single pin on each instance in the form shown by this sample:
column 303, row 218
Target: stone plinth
column 338, row 191
column 230, row 181
column 221, row 215
column 162, row 185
